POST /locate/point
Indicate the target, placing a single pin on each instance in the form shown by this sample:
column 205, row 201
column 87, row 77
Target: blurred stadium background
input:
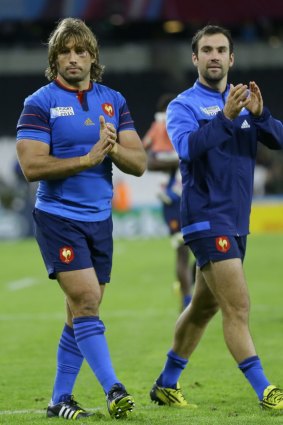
column 145, row 47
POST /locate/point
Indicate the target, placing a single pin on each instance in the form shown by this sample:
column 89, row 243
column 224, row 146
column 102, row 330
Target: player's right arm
column 38, row 164
column 189, row 138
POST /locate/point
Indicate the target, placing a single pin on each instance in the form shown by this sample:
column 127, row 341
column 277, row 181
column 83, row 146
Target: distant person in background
column 274, row 180
column 70, row 133
column 215, row 128
column 122, row 199
column 162, row 157
column 25, row 192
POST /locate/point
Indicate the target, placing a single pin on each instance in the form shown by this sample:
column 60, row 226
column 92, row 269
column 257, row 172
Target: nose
column 214, row 54
column 73, row 56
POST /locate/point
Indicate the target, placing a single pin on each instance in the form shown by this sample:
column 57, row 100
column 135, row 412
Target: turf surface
column 139, row 311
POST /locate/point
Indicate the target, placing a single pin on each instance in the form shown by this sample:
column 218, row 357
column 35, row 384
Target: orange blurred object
column 122, row 200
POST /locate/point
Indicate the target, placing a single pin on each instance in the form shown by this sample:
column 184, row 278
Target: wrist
column 258, row 114
column 226, row 115
column 114, row 148
column 265, row 114
column 85, row 160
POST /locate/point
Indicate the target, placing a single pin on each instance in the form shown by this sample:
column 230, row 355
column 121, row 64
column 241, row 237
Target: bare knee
column 82, row 291
column 200, row 314
column 210, row 311
column 85, row 304
column 237, row 311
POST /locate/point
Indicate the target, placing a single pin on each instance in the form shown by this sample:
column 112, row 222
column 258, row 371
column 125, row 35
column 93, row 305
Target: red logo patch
column 108, row 109
column 223, row 244
column 67, row 254
column 174, row 225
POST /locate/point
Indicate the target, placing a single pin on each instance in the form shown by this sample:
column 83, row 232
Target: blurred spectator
column 122, row 200
column 24, row 198
column 248, row 32
column 268, row 172
column 274, row 182
column 162, row 157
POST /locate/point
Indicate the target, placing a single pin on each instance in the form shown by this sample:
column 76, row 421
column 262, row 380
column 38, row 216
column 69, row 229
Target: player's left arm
column 128, row 153
column 270, row 130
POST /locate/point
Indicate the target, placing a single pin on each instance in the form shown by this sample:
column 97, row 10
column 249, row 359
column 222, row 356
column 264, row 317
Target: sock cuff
column 83, row 319
column 86, row 327
column 67, row 329
column 180, row 361
column 249, row 362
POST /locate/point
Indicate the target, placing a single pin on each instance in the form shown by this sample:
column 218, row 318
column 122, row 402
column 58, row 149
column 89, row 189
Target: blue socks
column 69, row 361
column 172, row 370
column 253, row 371
column 251, row 367
column 89, row 334
column 186, row 300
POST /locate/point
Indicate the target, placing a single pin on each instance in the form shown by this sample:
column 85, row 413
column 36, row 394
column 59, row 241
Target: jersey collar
column 62, row 86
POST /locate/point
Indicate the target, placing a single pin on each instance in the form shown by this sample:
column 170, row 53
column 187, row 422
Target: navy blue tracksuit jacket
column 217, row 160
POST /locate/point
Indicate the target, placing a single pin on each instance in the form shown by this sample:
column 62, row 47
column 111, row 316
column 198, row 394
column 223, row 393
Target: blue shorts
column 218, row 248
column 171, row 214
column 67, row 245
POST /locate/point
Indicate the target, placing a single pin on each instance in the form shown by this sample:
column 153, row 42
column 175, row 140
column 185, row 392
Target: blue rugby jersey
column 55, row 115
column 217, row 160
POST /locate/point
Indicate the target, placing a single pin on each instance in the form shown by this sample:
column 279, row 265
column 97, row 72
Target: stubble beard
column 213, row 78
column 75, row 78
column 71, row 79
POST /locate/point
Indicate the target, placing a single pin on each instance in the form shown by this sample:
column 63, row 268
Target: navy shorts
column 171, row 214
column 67, row 244
column 218, row 248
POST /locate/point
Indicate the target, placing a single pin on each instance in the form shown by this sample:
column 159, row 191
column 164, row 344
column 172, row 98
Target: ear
column 232, row 58
column 194, row 59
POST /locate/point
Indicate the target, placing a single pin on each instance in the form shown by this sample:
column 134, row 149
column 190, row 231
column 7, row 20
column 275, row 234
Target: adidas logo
column 88, row 122
column 245, row 124
column 66, row 412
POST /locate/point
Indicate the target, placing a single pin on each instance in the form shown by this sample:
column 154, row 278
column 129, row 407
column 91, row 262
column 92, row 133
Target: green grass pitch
column 139, row 311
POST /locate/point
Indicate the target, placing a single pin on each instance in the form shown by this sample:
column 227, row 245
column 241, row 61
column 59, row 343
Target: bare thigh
column 82, row 290
column 69, row 314
column 227, row 282
column 192, row 322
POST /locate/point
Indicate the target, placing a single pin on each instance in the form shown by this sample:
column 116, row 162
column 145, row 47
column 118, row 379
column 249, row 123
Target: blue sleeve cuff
column 41, row 136
column 263, row 117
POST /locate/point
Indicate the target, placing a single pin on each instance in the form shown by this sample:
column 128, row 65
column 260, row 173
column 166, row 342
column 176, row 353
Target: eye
column 63, row 52
column 81, row 52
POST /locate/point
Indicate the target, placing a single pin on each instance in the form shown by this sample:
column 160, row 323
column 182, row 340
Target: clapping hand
column 255, row 105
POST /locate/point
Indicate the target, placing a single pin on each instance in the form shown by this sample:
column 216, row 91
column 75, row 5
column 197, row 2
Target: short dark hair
column 211, row 30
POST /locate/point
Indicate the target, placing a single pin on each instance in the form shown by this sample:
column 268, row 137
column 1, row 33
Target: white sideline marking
column 38, row 412
column 20, row 412
column 22, row 283
column 61, row 315
column 35, row 316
